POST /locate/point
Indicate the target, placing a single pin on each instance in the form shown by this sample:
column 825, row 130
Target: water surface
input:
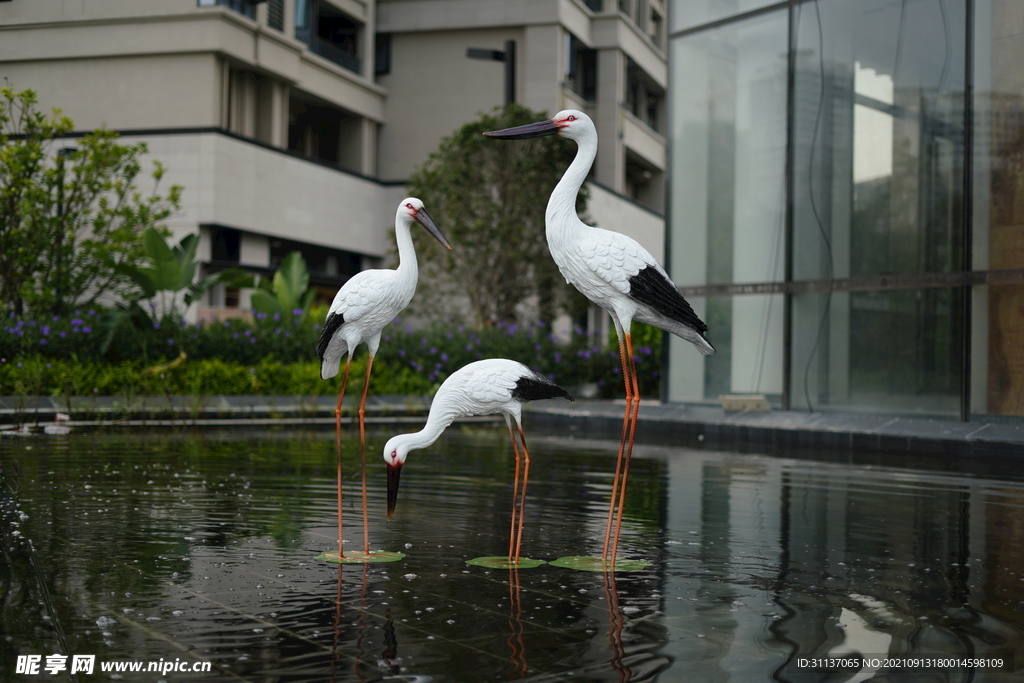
column 199, row 546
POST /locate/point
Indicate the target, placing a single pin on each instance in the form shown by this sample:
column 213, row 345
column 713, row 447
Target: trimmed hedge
column 276, row 355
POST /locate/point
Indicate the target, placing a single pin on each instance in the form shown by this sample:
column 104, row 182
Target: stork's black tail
column 537, row 387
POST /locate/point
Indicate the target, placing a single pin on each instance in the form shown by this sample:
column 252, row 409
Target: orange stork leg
column 362, row 454
column 522, row 494
column 337, row 442
column 622, row 446
column 629, row 445
column 515, row 534
column 515, row 497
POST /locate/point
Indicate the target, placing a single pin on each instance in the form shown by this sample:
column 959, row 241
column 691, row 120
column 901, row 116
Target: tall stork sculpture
column 617, row 274
column 361, row 310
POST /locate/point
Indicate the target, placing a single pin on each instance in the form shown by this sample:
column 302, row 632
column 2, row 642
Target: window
column 655, row 28
column 644, row 97
column 226, row 245
column 275, row 14
column 580, row 68
column 325, row 133
column 329, row 33
column 382, row 54
column 245, row 7
column 322, row 262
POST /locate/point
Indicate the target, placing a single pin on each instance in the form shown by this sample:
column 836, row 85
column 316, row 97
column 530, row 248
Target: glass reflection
column 727, row 218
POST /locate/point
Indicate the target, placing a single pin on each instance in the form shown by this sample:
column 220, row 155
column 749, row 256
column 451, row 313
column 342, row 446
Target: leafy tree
column 69, row 217
column 289, row 290
column 489, row 197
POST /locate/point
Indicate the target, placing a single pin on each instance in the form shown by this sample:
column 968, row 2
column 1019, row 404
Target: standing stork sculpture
column 617, row 274
column 361, row 310
column 484, row 387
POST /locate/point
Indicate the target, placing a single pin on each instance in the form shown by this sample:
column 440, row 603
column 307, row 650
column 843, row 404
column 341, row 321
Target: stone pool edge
column 659, row 424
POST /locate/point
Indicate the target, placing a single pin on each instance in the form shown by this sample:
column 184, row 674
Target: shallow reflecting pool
column 197, row 548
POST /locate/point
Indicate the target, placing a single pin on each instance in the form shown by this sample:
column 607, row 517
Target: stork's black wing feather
column 650, row 287
column 537, row 388
column 331, row 325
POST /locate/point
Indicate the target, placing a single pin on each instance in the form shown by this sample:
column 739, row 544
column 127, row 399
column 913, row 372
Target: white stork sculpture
column 617, row 274
column 361, row 310
column 484, row 387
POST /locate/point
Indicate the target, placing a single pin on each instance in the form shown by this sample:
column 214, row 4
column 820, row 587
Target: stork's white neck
column 407, row 266
column 560, row 217
column 437, row 422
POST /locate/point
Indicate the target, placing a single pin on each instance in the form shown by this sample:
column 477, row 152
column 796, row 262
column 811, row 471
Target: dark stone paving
column 786, row 430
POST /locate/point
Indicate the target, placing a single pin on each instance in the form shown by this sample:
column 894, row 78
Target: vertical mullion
column 967, row 213
column 787, row 297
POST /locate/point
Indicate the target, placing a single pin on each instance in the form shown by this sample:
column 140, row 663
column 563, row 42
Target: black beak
column 530, row 130
column 394, row 472
column 424, row 219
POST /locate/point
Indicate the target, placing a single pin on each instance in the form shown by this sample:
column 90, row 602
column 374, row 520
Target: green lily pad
column 359, row 557
column 503, row 563
column 597, row 564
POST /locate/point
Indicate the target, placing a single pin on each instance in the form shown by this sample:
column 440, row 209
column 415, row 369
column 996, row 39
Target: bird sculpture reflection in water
column 617, row 274
column 361, row 310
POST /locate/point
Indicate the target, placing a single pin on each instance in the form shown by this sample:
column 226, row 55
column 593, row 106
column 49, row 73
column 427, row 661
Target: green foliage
column 276, row 355
column 289, row 290
column 70, row 218
column 169, row 273
column 489, row 197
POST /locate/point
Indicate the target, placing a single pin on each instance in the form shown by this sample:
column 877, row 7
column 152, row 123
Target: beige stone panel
column 443, row 15
column 341, row 87
column 219, row 31
column 125, row 92
column 1007, row 58
column 433, row 89
column 241, row 185
column 542, row 62
column 1007, row 18
column 612, row 212
column 610, row 166
column 642, row 140
column 576, row 19
column 616, row 32
column 76, row 10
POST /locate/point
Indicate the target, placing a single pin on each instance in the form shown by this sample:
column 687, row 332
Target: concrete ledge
column 19, row 410
column 839, row 436
column 842, row 437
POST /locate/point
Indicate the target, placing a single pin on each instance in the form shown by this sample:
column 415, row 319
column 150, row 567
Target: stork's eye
column 408, row 206
column 570, row 118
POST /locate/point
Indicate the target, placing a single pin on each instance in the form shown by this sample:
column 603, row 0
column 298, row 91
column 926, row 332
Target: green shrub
column 275, row 354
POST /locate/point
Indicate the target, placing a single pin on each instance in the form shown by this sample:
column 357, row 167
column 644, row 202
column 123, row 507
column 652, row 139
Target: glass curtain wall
column 997, row 322
column 825, row 216
column 727, row 213
column 878, row 177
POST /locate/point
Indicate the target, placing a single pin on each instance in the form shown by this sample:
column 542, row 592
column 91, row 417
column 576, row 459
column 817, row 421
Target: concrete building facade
column 293, row 124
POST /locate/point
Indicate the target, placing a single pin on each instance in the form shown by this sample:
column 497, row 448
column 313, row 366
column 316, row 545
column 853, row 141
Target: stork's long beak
column 424, row 219
column 394, row 472
column 530, row 130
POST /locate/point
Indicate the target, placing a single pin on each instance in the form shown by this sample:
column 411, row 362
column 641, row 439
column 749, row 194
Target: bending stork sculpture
column 617, row 274
column 484, row 387
column 362, row 308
